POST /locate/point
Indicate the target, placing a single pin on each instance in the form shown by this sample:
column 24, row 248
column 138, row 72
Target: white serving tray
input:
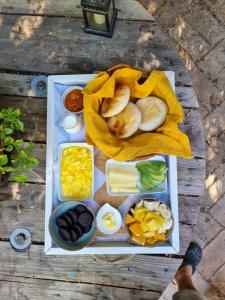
column 102, row 245
column 159, row 189
column 60, row 151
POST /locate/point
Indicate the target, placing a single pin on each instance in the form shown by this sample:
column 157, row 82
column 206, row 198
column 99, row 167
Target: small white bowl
column 71, row 123
column 65, row 93
column 106, row 208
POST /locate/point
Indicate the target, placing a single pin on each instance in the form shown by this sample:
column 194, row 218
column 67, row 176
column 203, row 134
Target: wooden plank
column 191, row 176
column 15, row 288
column 20, row 208
column 34, row 117
column 186, row 96
column 33, row 114
column 187, row 234
column 128, row 9
column 142, row 272
column 189, row 208
column 20, row 85
column 191, row 173
column 193, row 127
column 58, row 45
column 16, row 84
column 22, row 205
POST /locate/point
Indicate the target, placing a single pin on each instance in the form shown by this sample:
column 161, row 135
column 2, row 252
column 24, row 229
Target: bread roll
column 113, row 106
column 154, row 112
column 126, row 122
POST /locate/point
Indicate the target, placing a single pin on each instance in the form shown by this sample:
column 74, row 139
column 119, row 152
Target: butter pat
column 109, row 220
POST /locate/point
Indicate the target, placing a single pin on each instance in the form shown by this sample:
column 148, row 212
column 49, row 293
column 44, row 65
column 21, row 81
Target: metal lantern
column 99, row 16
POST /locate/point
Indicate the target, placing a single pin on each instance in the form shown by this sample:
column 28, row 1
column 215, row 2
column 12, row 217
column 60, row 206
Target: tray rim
column 111, row 247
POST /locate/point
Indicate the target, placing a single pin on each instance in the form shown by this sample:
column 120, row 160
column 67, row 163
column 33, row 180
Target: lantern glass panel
column 96, row 21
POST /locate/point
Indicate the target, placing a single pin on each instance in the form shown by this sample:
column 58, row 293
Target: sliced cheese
column 123, row 180
column 127, row 190
column 123, row 170
column 123, row 175
column 129, row 184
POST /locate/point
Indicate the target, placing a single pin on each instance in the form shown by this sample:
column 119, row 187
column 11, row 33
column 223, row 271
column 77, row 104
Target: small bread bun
column 126, row 122
column 113, row 106
column 154, row 112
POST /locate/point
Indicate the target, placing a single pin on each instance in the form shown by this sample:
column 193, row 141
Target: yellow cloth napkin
column 167, row 139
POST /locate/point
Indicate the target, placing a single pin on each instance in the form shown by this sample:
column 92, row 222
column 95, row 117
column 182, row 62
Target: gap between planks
column 73, row 17
column 128, row 9
column 29, row 280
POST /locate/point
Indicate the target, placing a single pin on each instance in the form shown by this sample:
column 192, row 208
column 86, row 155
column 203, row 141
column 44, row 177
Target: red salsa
column 74, row 101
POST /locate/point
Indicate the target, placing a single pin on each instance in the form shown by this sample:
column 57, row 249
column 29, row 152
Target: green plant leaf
column 34, row 161
column 2, row 135
column 8, row 140
column 9, row 148
column 3, row 160
column 18, row 143
column 16, row 112
column 19, row 125
column 23, row 154
column 30, row 148
column 8, row 169
column 20, row 178
column 7, row 131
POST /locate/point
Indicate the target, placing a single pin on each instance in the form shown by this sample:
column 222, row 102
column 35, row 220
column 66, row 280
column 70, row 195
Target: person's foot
column 191, row 259
column 182, row 274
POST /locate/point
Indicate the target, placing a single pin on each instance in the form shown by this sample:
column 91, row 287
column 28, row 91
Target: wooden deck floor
column 45, row 37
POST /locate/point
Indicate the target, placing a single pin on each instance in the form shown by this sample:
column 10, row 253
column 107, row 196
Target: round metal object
column 39, row 85
column 20, row 239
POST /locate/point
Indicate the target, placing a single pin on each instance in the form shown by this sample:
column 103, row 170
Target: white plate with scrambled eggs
column 76, row 172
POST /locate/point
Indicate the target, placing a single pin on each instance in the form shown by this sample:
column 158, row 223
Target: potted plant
column 15, row 155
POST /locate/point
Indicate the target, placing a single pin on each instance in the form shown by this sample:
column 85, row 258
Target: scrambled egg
column 76, row 173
